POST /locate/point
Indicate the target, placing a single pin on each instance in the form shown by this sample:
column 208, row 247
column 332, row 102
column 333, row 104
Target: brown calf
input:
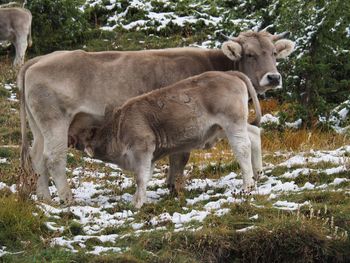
column 187, row 115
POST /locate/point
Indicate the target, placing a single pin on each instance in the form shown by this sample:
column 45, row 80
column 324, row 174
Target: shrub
column 57, row 25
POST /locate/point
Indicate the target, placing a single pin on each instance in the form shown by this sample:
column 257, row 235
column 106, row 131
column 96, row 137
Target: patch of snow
column 291, row 206
column 338, row 181
column 308, row 186
column 50, row 226
column 245, row 229
column 268, row 118
column 254, row 217
column 295, row 125
column 98, row 250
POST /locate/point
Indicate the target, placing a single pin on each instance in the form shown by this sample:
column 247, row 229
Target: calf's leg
column 143, row 173
column 237, row 135
column 177, row 163
column 255, row 139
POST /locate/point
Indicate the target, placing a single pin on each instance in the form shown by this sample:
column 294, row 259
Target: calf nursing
column 59, row 92
column 187, row 115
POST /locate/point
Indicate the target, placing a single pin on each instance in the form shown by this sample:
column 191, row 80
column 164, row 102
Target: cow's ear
column 92, row 132
column 284, row 48
column 232, row 50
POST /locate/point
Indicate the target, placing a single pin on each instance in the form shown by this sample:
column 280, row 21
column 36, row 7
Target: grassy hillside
column 299, row 212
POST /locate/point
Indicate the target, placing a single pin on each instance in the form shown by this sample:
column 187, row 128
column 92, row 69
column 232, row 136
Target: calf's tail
column 254, row 96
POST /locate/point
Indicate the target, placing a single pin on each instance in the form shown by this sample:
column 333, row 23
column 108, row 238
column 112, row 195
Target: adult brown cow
column 15, row 26
column 60, row 89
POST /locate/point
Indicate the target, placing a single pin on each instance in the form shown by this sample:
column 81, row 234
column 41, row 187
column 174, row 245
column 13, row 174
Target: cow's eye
column 250, row 55
column 274, row 53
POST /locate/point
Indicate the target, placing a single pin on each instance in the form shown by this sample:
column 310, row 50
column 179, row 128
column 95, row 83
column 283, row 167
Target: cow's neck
column 220, row 62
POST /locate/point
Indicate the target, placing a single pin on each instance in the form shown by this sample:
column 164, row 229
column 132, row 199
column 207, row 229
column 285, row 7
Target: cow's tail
column 26, row 163
column 30, row 40
column 254, row 97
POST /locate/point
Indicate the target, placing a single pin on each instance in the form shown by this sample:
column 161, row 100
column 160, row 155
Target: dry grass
column 300, row 140
column 272, row 141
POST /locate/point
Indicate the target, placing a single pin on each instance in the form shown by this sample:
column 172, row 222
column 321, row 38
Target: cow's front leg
column 55, row 154
column 177, row 163
column 255, row 139
column 143, row 173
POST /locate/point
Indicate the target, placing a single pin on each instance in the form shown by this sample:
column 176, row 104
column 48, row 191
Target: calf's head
column 256, row 54
column 95, row 138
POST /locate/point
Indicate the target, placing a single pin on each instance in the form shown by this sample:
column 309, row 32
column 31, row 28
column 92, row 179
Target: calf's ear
column 88, row 150
column 284, row 48
column 232, row 50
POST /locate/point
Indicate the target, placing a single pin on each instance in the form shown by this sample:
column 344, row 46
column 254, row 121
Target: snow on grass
column 245, row 229
column 3, row 251
column 152, row 17
column 12, row 88
column 337, row 156
column 269, row 119
column 338, row 117
column 99, row 249
column 291, row 206
column 103, row 200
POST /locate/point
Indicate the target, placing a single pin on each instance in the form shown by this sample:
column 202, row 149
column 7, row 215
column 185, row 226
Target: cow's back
column 91, row 80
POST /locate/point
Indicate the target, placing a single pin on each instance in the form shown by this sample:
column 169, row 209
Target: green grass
column 19, row 228
column 279, row 236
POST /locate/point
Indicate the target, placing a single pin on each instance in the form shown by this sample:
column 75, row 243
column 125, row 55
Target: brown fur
column 176, row 119
column 61, row 87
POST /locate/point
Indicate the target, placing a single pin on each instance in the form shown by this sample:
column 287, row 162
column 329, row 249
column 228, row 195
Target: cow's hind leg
column 36, row 153
column 237, row 135
column 39, row 166
column 177, row 163
column 20, row 44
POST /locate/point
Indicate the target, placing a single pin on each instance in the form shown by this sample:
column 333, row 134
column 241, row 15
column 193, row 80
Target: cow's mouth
column 262, row 90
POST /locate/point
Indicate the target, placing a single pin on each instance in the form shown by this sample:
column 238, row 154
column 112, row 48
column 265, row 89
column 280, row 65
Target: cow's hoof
column 258, row 174
column 137, row 202
column 43, row 194
column 66, row 198
column 172, row 190
column 44, row 198
column 247, row 188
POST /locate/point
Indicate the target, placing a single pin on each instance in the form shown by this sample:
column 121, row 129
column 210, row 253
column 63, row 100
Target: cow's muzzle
column 271, row 79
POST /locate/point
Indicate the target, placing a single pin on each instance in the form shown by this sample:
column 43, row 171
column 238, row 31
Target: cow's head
column 256, row 54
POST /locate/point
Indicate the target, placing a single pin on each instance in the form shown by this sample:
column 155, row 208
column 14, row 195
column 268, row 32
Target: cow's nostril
column 274, row 78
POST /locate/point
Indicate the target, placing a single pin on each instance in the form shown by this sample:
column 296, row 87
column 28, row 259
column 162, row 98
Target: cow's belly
column 4, row 35
column 188, row 138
